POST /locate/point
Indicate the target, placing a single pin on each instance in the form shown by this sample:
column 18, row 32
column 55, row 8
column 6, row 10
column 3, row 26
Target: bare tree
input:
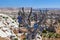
column 29, row 17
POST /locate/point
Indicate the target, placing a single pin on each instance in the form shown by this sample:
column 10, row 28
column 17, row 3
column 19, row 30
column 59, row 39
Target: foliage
column 6, row 17
column 3, row 17
column 59, row 21
column 57, row 36
column 51, row 35
column 13, row 18
column 44, row 31
column 12, row 22
column 15, row 39
column 24, row 39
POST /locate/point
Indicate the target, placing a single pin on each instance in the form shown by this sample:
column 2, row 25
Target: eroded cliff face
column 7, row 25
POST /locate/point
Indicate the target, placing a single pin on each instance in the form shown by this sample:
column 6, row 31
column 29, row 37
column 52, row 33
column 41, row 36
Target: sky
column 30, row 3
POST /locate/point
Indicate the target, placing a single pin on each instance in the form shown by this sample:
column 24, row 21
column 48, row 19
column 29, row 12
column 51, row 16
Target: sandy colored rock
column 4, row 38
column 22, row 37
column 23, row 29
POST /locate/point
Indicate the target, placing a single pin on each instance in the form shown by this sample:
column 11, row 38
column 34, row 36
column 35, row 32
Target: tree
column 29, row 17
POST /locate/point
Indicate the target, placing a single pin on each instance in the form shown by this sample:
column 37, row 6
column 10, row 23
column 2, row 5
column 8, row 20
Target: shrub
column 24, row 39
column 57, row 36
column 15, row 39
column 3, row 17
column 44, row 31
column 59, row 21
column 12, row 22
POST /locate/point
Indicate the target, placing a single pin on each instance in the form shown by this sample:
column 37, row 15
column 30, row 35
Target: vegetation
column 6, row 17
column 51, row 35
column 16, row 39
column 3, row 17
column 12, row 22
column 57, row 35
column 24, row 39
column 14, row 18
column 44, row 31
column 59, row 21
